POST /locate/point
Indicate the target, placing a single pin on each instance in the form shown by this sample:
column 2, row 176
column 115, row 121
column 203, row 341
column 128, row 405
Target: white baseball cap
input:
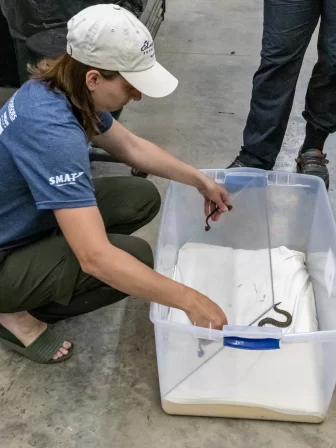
column 111, row 38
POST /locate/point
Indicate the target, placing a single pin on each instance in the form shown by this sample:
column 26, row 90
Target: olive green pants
column 45, row 277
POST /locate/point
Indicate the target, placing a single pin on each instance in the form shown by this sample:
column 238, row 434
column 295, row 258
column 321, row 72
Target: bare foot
column 26, row 328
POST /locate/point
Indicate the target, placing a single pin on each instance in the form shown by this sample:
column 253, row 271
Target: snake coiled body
column 277, row 323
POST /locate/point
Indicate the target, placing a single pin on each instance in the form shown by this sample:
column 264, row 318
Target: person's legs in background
column 320, row 108
column 288, row 27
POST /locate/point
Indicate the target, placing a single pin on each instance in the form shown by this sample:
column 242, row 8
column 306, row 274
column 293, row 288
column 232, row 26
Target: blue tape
column 252, row 344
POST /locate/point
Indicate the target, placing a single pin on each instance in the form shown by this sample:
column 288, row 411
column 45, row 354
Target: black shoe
column 313, row 162
column 137, row 173
column 236, row 164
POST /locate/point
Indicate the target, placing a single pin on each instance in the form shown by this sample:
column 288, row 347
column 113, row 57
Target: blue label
column 252, row 344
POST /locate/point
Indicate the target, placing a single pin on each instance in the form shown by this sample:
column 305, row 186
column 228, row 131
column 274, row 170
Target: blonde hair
column 67, row 75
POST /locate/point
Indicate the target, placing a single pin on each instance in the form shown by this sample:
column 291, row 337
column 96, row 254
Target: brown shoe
column 236, row 164
column 314, row 163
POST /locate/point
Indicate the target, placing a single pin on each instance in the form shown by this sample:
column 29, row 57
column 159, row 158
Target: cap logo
column 148, row 48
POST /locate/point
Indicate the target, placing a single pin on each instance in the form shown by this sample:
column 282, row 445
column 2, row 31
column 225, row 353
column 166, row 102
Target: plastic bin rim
column 247, row 333
column 270, row 175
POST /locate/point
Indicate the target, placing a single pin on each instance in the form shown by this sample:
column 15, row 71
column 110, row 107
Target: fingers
column 207, row 203
column 215, row 196
column 216, row 216
column 219, row 321
column 216, row 324
column 225, row 197
column 209, row 315
column 213, row 207
column 209, row 208
column 221, row 205
column 215, row 211
column 222, row 200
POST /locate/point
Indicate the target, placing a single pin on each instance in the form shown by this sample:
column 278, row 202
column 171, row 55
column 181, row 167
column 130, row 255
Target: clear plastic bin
column 270, row 209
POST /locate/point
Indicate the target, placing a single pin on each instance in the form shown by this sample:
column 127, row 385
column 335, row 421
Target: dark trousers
column 45, row 277
column 288, row 27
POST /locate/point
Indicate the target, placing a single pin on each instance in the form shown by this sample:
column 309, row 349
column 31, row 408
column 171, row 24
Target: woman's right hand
column 202, row 311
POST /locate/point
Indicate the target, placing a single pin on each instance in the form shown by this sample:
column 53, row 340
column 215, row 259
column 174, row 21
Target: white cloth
column 287, row 380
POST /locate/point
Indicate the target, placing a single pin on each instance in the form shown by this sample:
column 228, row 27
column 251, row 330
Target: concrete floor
column 107, row 395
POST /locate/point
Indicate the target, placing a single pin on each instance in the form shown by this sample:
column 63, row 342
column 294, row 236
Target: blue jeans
column 288, row 28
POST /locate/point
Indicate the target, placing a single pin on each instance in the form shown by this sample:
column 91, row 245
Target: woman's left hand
column 214, row 196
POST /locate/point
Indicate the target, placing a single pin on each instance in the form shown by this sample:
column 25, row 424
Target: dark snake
column 277, row 323
column 207, row 225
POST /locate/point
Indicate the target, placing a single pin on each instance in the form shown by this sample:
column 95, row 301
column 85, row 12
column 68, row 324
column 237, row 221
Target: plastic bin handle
column 251, row 344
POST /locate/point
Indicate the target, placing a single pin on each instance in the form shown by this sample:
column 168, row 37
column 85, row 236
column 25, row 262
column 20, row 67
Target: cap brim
column 156, row 82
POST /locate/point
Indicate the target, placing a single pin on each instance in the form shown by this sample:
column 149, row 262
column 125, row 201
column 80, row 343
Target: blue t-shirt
column 44, row 163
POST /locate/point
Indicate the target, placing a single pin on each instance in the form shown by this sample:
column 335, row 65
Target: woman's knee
column 143, row 252
column 123, row 200
column 147, row 194
column 135, row 246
